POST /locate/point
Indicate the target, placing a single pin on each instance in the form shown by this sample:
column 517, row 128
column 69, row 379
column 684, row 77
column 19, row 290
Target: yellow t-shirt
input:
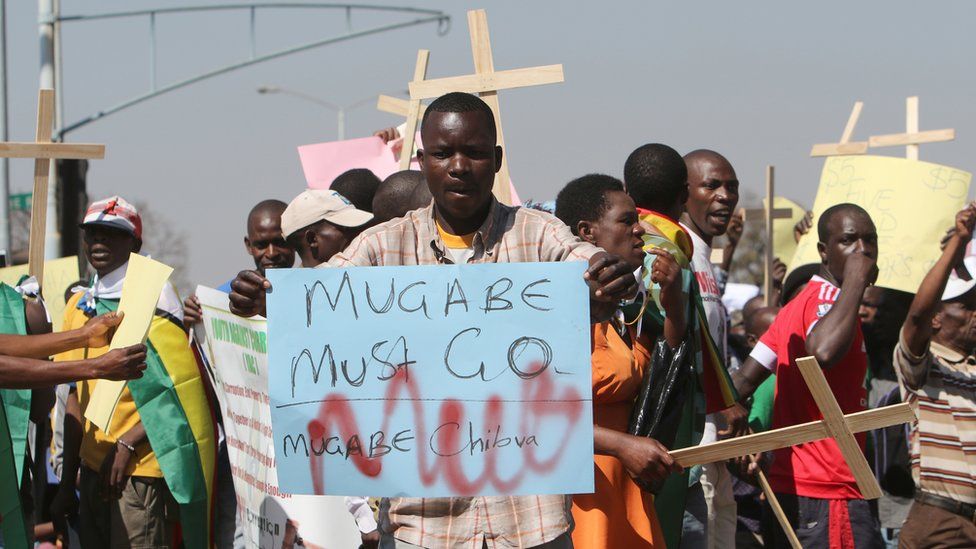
column 458, row 246
column 95, row 444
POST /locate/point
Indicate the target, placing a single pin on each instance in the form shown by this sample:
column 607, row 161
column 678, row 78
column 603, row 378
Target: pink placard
column 323, row 162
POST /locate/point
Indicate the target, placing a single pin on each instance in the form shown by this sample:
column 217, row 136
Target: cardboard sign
column 431, row 381
column 236, row 351
column 58, row 275
column 912, row 204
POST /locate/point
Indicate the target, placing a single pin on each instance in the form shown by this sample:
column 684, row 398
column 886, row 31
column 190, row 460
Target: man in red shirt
column 812, row 481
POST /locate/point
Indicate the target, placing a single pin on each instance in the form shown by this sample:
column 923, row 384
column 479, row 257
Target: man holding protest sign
column 935, row 366
column 812, row 481
column 263, row 242
column 160, row 452
column 466, row 224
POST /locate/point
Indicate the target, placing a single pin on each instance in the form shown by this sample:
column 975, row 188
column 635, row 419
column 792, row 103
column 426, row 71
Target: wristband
column 126, row 445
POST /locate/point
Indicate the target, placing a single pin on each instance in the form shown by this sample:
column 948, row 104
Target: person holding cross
column 160, row 452
column 812, row 481
column 466, row 224
column 936, row 368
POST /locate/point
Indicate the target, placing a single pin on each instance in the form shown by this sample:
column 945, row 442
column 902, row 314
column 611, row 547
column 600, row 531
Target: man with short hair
column 657, row 177
column 936, row 368
column 400, row 193
column 713, row 193
column 159, row 453
column 812, row 481
column 359, row 186
column 263, row 242
column 463, row 225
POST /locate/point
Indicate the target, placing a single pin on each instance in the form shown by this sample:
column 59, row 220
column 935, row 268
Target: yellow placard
column 784, row 245
column 58, row 274
column 912, row 204
column 144, row 281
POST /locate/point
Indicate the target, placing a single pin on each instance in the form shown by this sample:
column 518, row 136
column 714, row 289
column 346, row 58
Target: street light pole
column 339, row 110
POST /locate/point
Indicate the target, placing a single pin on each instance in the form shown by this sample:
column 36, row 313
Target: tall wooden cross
column 768, row 213
column 43, row 151
column 912, row 136
column 834, row 425
column 412, row 109
column 486, row 82
column 844, row 146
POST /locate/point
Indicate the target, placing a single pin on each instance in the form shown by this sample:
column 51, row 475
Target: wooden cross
column 43, row 151
column 835, row 425
column 912, row 136
column 412, row 110
column 844, row 146
column 486, row 82
column 768, row 214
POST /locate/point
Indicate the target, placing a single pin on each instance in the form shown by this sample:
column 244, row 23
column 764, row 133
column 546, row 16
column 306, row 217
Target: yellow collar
column 454, row 241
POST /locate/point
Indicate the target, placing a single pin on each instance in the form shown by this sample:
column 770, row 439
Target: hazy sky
column 758, row 81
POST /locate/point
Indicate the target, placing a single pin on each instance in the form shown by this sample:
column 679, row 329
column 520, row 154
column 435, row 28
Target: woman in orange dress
column 619, row 514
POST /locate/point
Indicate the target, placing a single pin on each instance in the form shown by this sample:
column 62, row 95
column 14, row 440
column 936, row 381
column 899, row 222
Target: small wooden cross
column 912, row 136
column 486, row 82
column 844, row 146
column 43, row 151
column 835, row 425
column 768, row 214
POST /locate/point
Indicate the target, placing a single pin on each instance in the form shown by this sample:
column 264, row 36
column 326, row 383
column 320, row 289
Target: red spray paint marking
column 336, row 410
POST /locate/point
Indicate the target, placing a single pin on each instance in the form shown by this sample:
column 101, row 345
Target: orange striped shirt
column 941, row 387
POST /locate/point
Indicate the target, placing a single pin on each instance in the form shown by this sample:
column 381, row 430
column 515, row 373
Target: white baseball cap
column 956, row 286
column 314, row 205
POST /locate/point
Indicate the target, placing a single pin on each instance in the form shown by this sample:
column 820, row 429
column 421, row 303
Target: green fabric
column 670, row 501
column 14, row 416
column 171, row 439
column 761, row 413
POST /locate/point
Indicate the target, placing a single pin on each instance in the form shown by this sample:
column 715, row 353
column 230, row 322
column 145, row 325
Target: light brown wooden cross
column 412, row 110
column 844, row 146
column 912, row 136
column 486, row 82
column 835, row 425
column 43, row 151
column 768, row 214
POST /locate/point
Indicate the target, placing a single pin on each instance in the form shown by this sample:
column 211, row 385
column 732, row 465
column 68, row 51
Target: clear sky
column 758, row 81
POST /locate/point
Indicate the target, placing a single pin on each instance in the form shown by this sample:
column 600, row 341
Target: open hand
column 247, row 296
column 100, row 329
column 120, row 364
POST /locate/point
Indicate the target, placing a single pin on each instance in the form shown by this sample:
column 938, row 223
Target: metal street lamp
column 340, row 110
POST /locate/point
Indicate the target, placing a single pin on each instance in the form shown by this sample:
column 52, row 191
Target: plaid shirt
column 508, row 235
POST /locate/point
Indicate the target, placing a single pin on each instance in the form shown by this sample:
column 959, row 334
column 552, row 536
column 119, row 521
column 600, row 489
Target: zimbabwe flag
column 173, row 403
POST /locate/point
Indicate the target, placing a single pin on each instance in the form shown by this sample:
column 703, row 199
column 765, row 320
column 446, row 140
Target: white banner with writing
column 237, row 352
